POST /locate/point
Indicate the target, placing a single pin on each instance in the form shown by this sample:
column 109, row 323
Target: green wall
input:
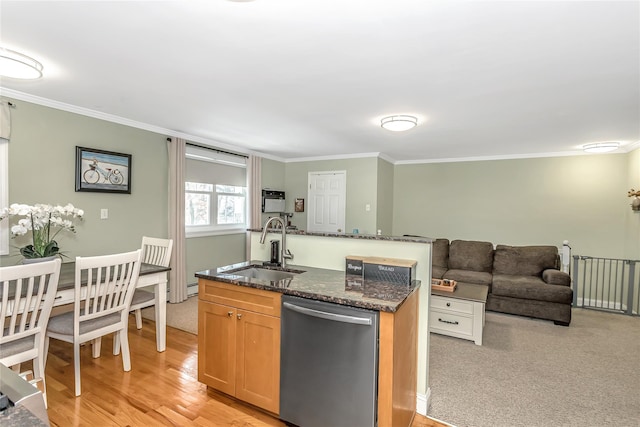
column 42, row 170
column 633, row 217
column 384, row 209
column 362, row 177
column 540, row 201
column 520, row 202
column 209, row 252
column 273, row 177
column 529, row 201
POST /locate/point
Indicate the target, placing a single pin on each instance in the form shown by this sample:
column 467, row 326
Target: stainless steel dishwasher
column 329, row 364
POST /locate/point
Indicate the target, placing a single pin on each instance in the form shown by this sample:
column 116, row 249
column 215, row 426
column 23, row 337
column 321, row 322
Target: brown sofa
column 523, row 280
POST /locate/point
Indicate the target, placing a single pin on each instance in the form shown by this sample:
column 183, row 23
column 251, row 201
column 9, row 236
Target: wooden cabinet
column 239, row 342
column 398, row 365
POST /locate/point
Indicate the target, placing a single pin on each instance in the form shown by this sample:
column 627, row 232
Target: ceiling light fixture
column 18, row 66
column 600, row 147
column 398, row 123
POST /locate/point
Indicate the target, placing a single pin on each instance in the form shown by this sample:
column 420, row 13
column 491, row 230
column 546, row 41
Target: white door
column 327, row 198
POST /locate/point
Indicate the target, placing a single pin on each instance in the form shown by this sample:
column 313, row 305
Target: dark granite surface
column 320, row 284
column 414, row 239
column 20, row 416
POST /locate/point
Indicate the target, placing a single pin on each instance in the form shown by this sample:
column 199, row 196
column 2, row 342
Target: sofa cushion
column 437, row 272
column 471, row 255
column 529, row 287
column 466, row 276
column 524, row 260
column 440, row 253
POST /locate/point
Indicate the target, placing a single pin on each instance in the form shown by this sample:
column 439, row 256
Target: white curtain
column 178, row 274
column 254, row 184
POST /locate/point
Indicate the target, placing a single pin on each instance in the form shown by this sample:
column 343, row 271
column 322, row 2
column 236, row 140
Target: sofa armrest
column 556, row 277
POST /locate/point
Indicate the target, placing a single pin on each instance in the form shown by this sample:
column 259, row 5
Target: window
column 232, row 206
column 228, row 202
column 215, row 193
column 197, row 203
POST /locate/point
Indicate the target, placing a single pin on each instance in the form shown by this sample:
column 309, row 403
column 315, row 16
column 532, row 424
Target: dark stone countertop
column 20, row 416
column 414, row 239
column 321, row 284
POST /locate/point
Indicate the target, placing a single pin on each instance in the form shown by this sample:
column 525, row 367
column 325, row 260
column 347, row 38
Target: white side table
column 460, row 313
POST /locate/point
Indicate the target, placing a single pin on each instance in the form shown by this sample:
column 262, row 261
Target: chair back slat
column 28, row 292
column 156, row 251
column 105, row 285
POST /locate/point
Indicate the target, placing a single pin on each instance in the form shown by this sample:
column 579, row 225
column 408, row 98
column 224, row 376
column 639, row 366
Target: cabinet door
column 217, row 346
column 258, row 362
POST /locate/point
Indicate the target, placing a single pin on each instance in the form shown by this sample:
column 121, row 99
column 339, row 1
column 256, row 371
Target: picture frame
column 102, row 171
column 299, row 205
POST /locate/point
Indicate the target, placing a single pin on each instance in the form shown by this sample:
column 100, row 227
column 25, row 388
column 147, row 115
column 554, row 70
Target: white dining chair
column 104, row 287
column 157, row 252
column 28, row 292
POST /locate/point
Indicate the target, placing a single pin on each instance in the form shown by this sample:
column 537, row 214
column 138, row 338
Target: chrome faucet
column 285, row 254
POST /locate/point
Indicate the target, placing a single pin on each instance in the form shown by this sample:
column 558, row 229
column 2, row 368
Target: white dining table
column 150, row 275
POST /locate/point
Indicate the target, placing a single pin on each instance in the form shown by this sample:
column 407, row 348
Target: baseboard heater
column 192, row 289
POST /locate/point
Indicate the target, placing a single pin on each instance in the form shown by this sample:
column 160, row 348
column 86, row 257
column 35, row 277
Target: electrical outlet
column 367, row 207
column 104, row 213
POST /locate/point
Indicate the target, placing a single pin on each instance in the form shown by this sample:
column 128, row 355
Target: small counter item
column 354, row 265
column 392, row 270
column 444, row 285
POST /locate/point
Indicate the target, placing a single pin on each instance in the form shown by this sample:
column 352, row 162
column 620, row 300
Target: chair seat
column 17, row 346
column 63, row 323
column 141, row 296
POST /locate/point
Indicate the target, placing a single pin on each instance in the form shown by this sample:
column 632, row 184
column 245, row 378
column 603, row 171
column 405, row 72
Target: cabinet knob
column 239, row 316
column 230, row 313
column 448, row 304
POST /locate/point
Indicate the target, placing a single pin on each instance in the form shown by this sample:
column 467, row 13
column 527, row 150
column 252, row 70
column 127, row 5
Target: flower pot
column 35, row 260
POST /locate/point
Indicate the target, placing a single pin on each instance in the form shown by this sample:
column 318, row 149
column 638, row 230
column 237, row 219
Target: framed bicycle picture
column 102, row 171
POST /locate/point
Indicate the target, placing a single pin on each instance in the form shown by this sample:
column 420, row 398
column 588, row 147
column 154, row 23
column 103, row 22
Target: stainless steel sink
column 278, row 276
column 262, row 274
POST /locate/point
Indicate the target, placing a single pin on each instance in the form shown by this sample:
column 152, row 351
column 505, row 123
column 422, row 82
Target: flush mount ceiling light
column 18, row 66
column 600, row 147
column 398, row 123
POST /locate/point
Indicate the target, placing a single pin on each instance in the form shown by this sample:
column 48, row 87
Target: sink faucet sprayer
column 285, row 254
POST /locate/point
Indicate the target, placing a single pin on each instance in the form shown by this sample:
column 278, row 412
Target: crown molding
column 632, row 147
column 334, row 157
column 10, row 93
column 505, row 157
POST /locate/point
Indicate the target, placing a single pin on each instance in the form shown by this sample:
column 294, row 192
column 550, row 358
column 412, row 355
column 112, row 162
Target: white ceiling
column 300, row 78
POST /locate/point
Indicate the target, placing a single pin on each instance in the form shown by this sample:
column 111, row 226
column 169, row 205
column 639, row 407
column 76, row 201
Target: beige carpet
column 527, row 373
column 533, row 373
column 183, row 316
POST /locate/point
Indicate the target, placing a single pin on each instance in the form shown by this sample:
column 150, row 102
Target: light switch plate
column 104, row 213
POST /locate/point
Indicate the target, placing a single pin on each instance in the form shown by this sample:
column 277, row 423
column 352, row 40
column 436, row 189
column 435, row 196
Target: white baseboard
column 422, row 402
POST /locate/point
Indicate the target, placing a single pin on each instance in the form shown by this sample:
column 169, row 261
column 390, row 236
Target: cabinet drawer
column 451, row 304
column 256, row 300
column 451, row 323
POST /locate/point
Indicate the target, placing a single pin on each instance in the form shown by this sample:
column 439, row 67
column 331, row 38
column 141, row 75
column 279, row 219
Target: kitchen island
column 328, row 250
column 239, row 333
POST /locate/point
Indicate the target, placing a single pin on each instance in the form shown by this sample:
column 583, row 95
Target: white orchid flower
column 19, row 230
column 40, row 219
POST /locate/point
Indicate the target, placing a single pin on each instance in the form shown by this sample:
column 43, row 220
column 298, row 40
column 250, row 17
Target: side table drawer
column 451, row 304
column 451, row 323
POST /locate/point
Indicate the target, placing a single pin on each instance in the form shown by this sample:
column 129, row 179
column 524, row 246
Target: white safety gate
column 606, row 284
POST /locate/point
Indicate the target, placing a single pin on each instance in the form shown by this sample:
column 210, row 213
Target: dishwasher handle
column 328, row 316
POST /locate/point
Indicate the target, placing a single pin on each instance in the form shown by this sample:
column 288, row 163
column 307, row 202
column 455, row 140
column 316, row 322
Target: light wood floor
column 161, row 388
